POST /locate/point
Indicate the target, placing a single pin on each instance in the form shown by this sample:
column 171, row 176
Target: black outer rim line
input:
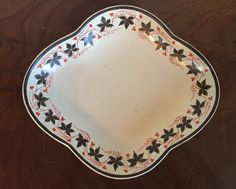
column 114, row 176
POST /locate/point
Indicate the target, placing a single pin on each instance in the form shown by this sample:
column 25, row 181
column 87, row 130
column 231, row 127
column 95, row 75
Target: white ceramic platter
column 121, row 91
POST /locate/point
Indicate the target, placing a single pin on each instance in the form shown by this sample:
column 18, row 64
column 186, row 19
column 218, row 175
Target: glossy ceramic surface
column 121, row 91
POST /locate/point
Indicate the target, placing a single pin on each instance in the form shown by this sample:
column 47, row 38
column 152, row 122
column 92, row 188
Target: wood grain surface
column 31, row 159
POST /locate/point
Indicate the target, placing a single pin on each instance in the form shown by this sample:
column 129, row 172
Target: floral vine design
column 81, row 42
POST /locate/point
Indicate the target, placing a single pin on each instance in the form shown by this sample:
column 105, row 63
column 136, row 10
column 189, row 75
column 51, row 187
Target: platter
column 121, row 91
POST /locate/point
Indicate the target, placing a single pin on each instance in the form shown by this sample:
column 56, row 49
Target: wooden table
column 31, row 159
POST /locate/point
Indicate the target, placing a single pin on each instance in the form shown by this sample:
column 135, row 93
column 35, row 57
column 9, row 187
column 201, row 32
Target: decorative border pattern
column 111, row 161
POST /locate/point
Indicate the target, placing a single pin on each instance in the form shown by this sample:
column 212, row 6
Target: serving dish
column 121, row 91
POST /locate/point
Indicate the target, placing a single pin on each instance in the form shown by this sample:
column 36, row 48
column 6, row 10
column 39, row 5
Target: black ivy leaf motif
column 95, row 153
column 154, row 147
column 146, row 28
column 54, row 60
column 70, row 49
column 115, row 161
column 185, row 124
column 203, row 87
column 193, row 69
column 179, row 54
column 67, row 128
column 197, row 107
column 167, row 134
column 126, row 21
column 41, row 99
column 88, row 39
column 50, row 117
column 136, row 159
column 81, row 141
column 104, row 23
column 161, row 44
column 41, row 77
